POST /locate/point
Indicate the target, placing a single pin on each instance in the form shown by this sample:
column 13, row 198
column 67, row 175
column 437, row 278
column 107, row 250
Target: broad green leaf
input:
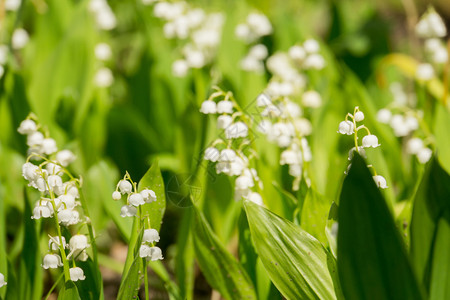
column 129, row 286
column 184, row 261
column 221, row 269
column 372, row 260
column 91, row 288
column 441, row 126
column 431, row 205
column 296, row 261
column 252, row 264
column 69, row 292
column 314, row 215
column 440, row 274
column 153, row 180
column 30, row 273
column 171, row 287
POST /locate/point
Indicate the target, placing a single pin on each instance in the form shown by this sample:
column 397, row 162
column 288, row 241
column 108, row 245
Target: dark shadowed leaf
column 372, row 260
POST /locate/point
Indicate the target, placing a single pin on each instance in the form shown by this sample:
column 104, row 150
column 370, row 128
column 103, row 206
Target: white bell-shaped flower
column 52, row 261
column 136, row 199
column 227, row 155
column 384, row 116
column 180, row 68
column 225, row 107
column 314, row 61
column 424, row 155
column 237, row 166
column 103, row 51
column 380, row 181
column 78, row 242
column 295, row 170
column 144, row 251
column 2, row 280
column 48, row 146
column 424, row 72
column 27, row 127
column 68, row 217
column 359, row 116
column 128, row 211
column 414, row 145
column 30, row 171
column 19, row 38
column 65, row 157
column 311, row 99
column 236, row 130
column 346, row 127
column 311, row 46
column 150, row 236
column 255, row 198
column 41, row 211
column 212, row 154
column 289, row 157
column 208, row 107
column 76, row 274
column 297, row 53
column 155, row 254
column 35, row 139
column 54, row 243
column 104, row 78
column 244, row 182
column 68, row 201
column 125, row 186
column 54, row 181
column 148, row 195
column 116, row 195
column 263, row 100
column 224, row 121
column 370, row 141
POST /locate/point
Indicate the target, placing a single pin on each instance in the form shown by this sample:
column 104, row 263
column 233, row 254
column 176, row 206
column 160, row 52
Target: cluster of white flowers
column 59, row 194
column 104, row 76
column 431, row 27
column 134, row 198
column 284, row 123
column 2, row 280
column 148, row 248
column 254, row 60
column 404, row 120
column 232, row 161
column 287, row 69
column 256, row 26
column 127, row 186
column 201, row 32
column 350, row 127
column 103, row 14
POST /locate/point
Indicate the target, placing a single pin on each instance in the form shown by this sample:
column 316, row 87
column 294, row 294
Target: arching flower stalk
column 46, row 170
column 350, row 127
column 233, row 153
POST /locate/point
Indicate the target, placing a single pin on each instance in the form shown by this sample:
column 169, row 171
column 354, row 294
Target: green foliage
column 372, row 259
column 295, row 261
column 221, row 269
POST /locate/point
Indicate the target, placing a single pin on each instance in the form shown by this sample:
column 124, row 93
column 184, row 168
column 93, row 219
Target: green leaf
column 372, row 260
column 440, row 274
column 129, row 287
column 69, row 292
column 431, row 205
column 296, row 261
column 314, row 215
column 221, row 269
column 441, row 126
column 153, row 180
